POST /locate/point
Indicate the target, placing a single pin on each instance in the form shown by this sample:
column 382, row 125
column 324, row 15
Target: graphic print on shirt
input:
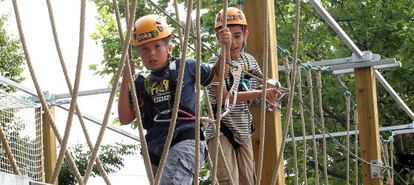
column 160, row 91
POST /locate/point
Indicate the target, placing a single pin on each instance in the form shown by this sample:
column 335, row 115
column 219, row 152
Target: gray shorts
column 179, row 167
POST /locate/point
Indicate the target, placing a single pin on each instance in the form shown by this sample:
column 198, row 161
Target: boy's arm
column 271, row 95
column 126, row 113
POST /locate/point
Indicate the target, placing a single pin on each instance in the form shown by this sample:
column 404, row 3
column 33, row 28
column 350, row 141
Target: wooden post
column 49, row 145
column 255, row 13
column 366, row 94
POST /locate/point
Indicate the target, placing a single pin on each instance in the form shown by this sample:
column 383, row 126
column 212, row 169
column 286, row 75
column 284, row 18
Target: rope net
column 21, row 122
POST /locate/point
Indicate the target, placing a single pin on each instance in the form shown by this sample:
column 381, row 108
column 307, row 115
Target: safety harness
column 237, row 83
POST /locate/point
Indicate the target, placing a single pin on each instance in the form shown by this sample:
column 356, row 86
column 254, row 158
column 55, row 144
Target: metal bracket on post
column 348, row 64
column 376, row 167
column 367, row 56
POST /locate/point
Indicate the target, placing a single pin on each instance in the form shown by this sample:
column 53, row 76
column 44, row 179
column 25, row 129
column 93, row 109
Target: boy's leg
column 231, row 160
column 179, row 167
column 245, row 162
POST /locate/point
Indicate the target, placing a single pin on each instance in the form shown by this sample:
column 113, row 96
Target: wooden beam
column 49, row 145
column 366, row 94
column 255, row 13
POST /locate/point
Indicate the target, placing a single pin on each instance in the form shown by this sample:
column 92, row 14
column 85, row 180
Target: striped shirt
column 239, row 120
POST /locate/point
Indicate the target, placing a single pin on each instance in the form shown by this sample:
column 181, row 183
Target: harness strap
column 226, row 131
column 173, row 81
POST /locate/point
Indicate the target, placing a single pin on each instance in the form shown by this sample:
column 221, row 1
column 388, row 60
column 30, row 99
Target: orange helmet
column 234, row 16
column 150, row 28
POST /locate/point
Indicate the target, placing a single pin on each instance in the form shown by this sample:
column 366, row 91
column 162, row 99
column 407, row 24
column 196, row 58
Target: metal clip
column 376, row 169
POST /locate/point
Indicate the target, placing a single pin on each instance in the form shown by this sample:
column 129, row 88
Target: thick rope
column 69, row 84
column 211, row 114
column 392, row 159
column 177, row 96
column 143, row 142
column 345, row 149
column 223, row 61
column 74, row 98
column 125, row 47
column 302, row 120
column 355, row 113
column 69, row 157
column 264, row 94
column 210, row 164
column 126, row 5
column 291, row 94
column 313, row 126
column 9, row 153
column 322, row 119
column 292, row 131
column 177, row 19
column 348, row 120
column 198, row 93
column 385, row 158
column 210, row 111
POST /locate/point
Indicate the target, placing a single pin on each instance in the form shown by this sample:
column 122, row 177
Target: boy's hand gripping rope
column 283, row 90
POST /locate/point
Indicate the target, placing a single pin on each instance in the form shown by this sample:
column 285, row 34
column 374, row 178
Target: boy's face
column 239, row 35
column 154, row 55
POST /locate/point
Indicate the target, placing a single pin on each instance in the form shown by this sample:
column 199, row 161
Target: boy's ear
column 245, row 34
column 169, row 47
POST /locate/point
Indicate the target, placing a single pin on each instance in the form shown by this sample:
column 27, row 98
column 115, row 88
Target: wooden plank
column 49, row 145
column 366, row 94
column 255, row 13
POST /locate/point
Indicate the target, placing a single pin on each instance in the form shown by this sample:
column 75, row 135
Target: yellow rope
column 143, row 142
column 264, row 94
column 177, row 96
column 210, row 112
column 348, row 120
column 302, row 120
column 322, row 120
column 117, row 76
column 74, row 98
column 291, row 94
column 198, row 93
column 224, row 53
column 69, row 84
column 313, row 126
column 40, row 94
column 292, row 131
column 210, row 163
column 392, row 159
column 355, row 113
column 177, row 18
column 99, row 164
column 385, row 158
column 9, row 153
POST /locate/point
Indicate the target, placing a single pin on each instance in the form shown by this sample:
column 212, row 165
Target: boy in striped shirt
column 236, row 125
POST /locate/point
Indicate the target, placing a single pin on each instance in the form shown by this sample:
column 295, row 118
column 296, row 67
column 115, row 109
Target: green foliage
column 383, row 28
column 111, row 156
column 204, row 176
column 11, row 57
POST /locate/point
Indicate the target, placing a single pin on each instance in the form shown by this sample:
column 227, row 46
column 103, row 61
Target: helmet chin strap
column 243, row 46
